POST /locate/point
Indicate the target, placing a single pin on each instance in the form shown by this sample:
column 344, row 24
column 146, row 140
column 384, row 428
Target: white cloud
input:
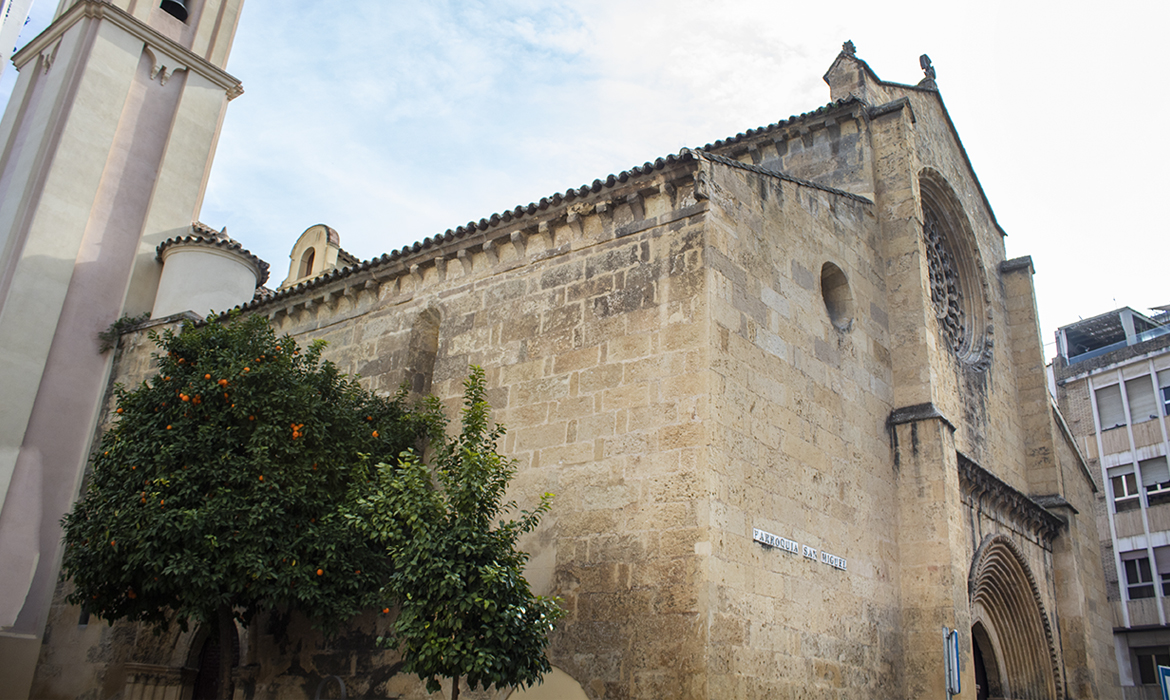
column 392, row 121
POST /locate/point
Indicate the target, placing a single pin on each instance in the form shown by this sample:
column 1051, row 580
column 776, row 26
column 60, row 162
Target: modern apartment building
column 1112, row 379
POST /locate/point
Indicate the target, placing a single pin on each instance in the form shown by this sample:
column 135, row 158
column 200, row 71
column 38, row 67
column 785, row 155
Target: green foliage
column 221, row 484
column 108, row 338
column 465, row 608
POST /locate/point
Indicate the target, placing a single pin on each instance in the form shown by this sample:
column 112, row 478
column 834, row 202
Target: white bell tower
column 105, row 150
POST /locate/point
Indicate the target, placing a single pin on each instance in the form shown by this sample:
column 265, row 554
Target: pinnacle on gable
column 928, row 71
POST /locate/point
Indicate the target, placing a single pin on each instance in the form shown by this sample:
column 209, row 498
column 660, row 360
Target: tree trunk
column 455, row 688
column 226, row 627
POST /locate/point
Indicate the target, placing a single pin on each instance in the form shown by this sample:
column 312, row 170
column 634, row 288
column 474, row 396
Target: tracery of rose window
column 945, row 289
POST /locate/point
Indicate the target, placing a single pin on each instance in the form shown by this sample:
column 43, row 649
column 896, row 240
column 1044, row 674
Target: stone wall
column 799, row 445
column 592, row 325
column 702, row 354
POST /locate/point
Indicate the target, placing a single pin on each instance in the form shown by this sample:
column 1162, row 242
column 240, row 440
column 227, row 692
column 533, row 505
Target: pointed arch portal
column 1012, row 645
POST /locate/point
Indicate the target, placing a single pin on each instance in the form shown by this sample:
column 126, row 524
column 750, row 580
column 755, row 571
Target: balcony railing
column 1139, row 338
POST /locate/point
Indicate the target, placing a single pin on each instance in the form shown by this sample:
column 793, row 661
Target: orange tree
column 218, row 491
column 465, row 609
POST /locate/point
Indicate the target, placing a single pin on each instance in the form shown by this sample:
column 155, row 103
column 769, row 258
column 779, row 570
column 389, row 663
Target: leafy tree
column 465, row 609
column 217, row 492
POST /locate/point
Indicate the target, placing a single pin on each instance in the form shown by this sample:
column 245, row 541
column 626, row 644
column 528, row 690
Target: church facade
column 790, row 396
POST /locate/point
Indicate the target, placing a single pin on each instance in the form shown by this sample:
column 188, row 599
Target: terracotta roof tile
column 752, row 133
column 204, row 234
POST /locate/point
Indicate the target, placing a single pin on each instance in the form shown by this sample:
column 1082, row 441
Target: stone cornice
column 168, row 55
column 529, row 235
column 917, row 412
column 984, row 491
column 732, row 163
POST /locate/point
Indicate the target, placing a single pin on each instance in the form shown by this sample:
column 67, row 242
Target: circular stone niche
column 837, row 295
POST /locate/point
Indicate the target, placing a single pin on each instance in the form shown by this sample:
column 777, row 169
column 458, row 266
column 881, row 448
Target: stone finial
column 849, row 49
column 927, row 70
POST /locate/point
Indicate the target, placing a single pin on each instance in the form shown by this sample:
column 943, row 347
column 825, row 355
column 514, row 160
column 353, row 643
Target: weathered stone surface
column 664, row 357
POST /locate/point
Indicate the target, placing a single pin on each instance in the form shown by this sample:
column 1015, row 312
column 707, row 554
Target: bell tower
column 105, row 150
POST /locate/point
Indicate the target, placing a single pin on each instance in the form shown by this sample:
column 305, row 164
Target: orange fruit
column 247, row 369
column 375, row 433
column 118, row 411
column 261, row 477
column 320, row 572
column 168, row 427
column 207, row 376
column 385, row 611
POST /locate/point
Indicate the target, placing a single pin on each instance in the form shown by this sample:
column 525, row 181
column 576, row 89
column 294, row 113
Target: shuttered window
column 1155, row 480
column 1164, row 384
column 1142, row 404
column 1162, row 564
column 1109, row 408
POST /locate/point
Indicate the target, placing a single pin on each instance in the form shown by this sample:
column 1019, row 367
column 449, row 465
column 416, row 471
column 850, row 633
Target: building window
column 1162, row 565
column 1164, row 382
column 1125, row 490
column 1148, row 661
column 1155, row 480
column 306, row 268
column 1109, row 409
column 1139, row 580
column 1143, row 405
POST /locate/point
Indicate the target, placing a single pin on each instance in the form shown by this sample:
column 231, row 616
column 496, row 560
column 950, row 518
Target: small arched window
column 306, row 267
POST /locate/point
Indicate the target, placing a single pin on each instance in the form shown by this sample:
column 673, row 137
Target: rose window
column 945, row 289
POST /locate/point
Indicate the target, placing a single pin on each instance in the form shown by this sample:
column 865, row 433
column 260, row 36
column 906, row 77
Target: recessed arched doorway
column 209, row 662
column 1012, row 644
column 557, row 685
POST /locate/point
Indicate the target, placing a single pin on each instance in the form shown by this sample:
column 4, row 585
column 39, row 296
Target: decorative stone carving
column 945, row 288
column 983, row 492
column 928, row 71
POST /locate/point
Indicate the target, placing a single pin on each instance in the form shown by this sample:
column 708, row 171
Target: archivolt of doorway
column 1015, row 658
column 557, row 685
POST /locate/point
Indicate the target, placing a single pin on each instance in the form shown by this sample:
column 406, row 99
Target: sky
column 392, row 121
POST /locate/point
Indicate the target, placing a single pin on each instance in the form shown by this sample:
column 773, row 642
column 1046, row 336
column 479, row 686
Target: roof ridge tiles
column 201, row 233
column 611, row 181
column 751, row 133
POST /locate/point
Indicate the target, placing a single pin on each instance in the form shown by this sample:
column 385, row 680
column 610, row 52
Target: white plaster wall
column 179, row 185
column 202, row 279
column 47, row 229
column 95, row 154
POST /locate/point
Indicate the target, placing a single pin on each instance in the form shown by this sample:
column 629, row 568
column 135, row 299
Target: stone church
column 787, row 388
